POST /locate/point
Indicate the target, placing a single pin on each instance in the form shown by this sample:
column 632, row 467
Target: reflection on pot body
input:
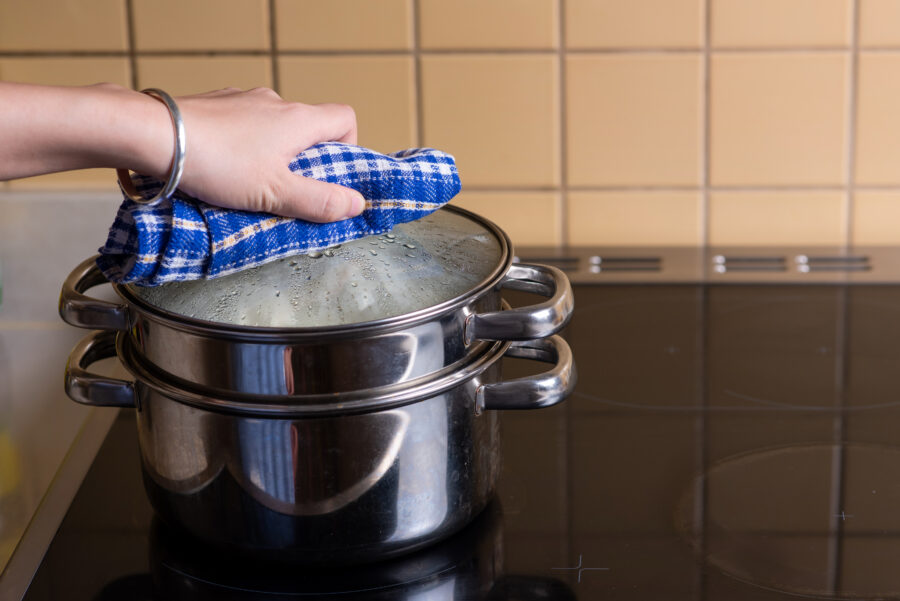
column 349, row 487
column 426, row 474
column 179, row 445
column 298, row 369
column 273, row 454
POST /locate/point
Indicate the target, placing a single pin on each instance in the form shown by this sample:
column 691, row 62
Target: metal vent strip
column 600, row 263
column 566, row 263
column 726, row 263
column 808, row 263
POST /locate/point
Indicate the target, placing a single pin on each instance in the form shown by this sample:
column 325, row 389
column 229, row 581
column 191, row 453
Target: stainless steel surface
column 527, row 323
column 533, row 392
column 338, row 488
column 342, row 359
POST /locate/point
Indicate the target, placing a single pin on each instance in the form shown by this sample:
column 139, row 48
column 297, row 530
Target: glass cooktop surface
column 724, row 442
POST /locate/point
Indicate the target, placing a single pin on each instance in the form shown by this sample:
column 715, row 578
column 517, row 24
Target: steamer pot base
column 323, row 488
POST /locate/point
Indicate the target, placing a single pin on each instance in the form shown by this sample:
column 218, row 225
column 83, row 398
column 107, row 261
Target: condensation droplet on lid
column 278, row 293
column 391, row 236
column 407, row 245
column 329, row 253
column 353, row 284
column 373, row 252
column 314, row 254
column 411, row 255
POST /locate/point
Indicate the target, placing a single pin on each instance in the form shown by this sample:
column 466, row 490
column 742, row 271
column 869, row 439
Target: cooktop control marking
column 580, row 567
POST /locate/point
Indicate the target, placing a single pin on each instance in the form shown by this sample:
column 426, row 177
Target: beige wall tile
column 634, row 218
column 772, row 218
column 878, row 120
column 379, row 88
column 182, row 75
column 634, row 24
column 529, row 218
column 488, row 24
column 634, row 119
column 778, row 119
column 785, row 23
column 201, row 24
column 343, row 24
column 876, row 217
column 84, row 179
column 54, row 25
column 498, row 115
column 879, row 23
column 67, row 72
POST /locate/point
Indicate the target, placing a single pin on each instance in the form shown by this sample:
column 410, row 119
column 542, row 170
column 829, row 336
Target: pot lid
column 415, row 266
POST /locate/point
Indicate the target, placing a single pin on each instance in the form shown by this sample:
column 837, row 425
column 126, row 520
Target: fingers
column 317, row 201
column 336, row 122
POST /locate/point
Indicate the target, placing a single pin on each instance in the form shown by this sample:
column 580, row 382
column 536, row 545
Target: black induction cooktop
column 725, row 441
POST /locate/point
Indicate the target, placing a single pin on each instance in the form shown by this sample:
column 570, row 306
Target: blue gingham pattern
column 187, row 239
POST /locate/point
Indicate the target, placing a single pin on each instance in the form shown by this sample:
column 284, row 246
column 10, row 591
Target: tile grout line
column 415, row 11
column 132, row 52
column 437, row 51
column 562, row 135
column 707, row 129
column 698, row 188
column 850, row 144
column 273, row 48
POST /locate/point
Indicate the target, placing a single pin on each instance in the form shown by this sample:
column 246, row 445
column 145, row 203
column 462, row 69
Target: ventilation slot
column 600, row 264
column 563, row 263
column 808, row 263
column 726, row 263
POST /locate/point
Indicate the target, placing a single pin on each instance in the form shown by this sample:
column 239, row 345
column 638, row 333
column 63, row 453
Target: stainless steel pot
column 322, row 482
column 447, row 311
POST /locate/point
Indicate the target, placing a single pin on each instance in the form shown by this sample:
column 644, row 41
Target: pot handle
column 532, row 392
column 527, row 323
column 90, row 389
column 82, row 311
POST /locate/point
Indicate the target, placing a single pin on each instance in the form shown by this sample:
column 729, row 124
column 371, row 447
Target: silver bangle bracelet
column 174, row 177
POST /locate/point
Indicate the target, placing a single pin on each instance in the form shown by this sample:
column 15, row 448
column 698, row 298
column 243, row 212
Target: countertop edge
column 16, row 578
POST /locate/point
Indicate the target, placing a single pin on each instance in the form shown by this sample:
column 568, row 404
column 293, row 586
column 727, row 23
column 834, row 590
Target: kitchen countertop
column 46, row 441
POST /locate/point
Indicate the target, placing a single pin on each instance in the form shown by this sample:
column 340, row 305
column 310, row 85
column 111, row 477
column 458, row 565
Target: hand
column 239, row 144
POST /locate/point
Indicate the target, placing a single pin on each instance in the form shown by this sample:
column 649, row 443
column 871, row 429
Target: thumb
column 320, row 202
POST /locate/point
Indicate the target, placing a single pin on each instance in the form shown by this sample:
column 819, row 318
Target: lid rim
column 336, row 331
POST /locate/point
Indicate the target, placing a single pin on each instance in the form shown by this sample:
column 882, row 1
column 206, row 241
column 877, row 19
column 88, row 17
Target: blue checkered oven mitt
column 187, row 239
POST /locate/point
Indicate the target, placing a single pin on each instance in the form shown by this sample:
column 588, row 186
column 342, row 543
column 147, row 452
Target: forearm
column 45, row 129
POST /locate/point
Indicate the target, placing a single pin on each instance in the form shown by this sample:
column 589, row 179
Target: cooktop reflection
column 724, row 442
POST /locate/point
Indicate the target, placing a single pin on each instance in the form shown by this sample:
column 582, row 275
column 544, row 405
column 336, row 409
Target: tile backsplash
column 627, row 122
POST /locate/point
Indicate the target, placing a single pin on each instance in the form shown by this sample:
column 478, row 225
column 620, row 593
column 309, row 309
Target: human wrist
column 144, row 136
